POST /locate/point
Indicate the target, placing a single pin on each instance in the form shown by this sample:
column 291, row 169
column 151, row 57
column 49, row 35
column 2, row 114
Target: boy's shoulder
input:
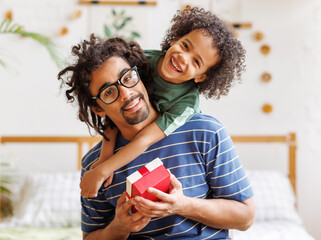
column 153, row 53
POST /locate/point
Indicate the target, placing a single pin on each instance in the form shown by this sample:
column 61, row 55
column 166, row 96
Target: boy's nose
column 182, row 58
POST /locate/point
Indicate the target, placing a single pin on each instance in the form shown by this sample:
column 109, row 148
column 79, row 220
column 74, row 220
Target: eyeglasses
column 110, row 92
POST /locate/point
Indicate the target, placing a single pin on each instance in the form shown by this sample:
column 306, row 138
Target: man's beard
column 140, row 115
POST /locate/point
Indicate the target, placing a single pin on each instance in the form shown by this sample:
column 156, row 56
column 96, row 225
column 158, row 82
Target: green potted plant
column 120, row 26
column 6, row 205
column 7, row 26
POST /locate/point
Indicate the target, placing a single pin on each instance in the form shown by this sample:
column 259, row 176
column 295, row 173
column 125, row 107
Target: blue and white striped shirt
column 203, row 158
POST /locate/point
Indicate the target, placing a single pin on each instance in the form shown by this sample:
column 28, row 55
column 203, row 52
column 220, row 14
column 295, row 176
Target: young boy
column 199, row 55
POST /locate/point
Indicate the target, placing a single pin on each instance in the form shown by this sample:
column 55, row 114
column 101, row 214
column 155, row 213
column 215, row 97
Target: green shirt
column 177, row 103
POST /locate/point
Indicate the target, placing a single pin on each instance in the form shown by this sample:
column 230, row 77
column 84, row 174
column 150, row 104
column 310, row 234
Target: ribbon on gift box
column 153, row 174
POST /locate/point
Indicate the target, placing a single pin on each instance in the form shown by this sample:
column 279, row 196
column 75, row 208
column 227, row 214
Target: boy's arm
column 91, row 181
column 94, row 178
column 144, row 139
column 107, row 147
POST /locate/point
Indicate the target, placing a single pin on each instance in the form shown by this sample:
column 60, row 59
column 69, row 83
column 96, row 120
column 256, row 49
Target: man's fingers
column 175, row 182
column 161, row 195
column 122, row 198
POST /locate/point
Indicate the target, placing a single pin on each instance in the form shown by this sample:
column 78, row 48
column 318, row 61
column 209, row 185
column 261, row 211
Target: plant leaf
column 107, row 31
column 2, row 63
column 6, row 26
column 136, row 34
column 46, row 42
column 4, row 190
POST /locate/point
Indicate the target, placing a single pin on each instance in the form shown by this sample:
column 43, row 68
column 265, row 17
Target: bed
column 47, row 205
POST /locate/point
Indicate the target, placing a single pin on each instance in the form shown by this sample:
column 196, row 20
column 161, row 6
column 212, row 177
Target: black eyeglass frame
column 118, row 82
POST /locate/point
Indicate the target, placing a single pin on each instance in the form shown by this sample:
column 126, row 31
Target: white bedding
column 49, row 205
column 47, row 200
column 274, row 230
column 276, row 214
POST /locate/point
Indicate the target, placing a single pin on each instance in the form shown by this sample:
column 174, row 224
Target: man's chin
column 137, row 117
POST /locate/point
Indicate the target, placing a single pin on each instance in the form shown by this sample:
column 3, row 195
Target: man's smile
column 132, row 105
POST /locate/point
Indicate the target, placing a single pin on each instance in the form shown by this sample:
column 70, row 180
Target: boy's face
column 188, row 58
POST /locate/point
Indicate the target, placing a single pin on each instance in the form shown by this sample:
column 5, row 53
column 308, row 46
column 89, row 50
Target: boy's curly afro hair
column 228, row 70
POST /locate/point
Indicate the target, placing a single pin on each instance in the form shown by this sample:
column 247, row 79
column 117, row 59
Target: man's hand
column 171, row 203
column 126, row 222
column 123, row 223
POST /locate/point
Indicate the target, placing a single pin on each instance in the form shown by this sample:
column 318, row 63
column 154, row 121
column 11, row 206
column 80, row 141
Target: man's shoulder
column 90, row 156
column 204, row 121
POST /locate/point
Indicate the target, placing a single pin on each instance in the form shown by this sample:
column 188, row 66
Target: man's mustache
column 139, row 95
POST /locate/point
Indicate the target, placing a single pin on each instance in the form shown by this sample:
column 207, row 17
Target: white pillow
column 49, row 200
column 273, row 195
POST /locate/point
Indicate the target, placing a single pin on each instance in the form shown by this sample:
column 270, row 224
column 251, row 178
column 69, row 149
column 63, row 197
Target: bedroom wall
column 31, row 103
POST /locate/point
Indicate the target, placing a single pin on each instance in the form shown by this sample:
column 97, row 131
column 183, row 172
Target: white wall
column 31, row 104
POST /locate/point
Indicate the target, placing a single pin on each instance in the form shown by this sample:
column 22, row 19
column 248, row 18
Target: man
column 209, row 191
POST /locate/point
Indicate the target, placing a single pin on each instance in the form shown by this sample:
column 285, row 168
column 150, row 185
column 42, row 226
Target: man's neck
column 131, row 131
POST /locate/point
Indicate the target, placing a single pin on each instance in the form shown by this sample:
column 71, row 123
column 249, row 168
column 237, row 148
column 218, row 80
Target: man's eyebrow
column 108, row 83
column 187, row 40
column 121, row 73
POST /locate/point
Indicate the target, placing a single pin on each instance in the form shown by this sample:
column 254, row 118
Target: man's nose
column 124, row 92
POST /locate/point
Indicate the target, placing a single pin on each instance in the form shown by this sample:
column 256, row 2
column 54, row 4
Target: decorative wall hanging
column 241, row 25
column 63, row 31
column 8, row 15
column 267, row 108
column 150, row 3
column 76, row 14
column 265, row 49
column 266, row 77
column 258, row 36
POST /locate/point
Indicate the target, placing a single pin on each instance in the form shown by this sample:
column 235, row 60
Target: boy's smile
column 189, row 57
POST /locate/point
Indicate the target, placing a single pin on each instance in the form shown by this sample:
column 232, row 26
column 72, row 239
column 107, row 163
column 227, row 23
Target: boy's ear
column 201, row 78
column 98, row 111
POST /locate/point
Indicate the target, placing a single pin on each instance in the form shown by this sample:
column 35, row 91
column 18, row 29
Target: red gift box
column 153, row 174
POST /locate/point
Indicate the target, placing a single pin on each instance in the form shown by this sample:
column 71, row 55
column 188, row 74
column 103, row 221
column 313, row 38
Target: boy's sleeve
column 178, row 113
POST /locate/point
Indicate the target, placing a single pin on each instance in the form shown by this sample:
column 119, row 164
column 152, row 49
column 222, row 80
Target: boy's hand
column 92, row 181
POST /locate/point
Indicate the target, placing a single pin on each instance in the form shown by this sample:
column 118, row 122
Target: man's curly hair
column 89, row 56
column 228, row 70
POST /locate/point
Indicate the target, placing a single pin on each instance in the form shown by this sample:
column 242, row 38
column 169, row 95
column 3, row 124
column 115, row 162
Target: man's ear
column 98, row 111
column 201, row 78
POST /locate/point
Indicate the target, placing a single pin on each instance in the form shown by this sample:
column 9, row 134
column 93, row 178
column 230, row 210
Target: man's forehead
column 110, row 70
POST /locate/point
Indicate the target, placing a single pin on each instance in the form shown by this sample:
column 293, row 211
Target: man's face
column 132, row 105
